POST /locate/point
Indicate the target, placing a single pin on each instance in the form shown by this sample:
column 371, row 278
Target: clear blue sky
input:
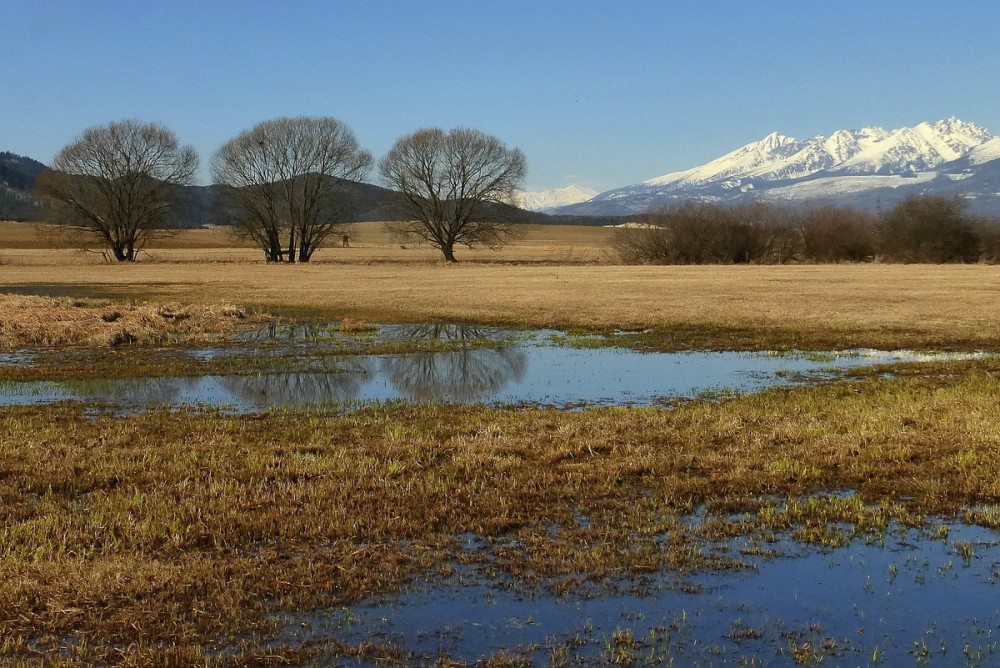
column 600, row 93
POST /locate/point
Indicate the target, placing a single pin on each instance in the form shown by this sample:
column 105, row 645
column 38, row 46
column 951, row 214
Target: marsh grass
column 48, row 321
column 171, row 536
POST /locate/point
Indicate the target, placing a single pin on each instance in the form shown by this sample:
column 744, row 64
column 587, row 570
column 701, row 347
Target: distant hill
column 17, row 178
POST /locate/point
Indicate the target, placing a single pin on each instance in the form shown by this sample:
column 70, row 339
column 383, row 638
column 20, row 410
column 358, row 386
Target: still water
column 909, row 601
column 483, row 365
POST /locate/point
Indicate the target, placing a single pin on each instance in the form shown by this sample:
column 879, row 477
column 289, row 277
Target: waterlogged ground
column 437, row 363
column 905, row 598
column 845, row 523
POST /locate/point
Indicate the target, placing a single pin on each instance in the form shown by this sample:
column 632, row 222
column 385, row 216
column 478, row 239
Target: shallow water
column 482, row 365
column 913, row 599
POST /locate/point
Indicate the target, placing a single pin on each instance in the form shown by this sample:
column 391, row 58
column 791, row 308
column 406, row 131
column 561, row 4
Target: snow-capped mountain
column 869, row 168
column 545, row 200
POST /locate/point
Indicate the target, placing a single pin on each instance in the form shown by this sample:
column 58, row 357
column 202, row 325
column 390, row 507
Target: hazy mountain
column 870, row 168
column 546, row 200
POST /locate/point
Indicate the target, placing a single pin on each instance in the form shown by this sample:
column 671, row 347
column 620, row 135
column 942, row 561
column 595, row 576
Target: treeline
column 928, row 229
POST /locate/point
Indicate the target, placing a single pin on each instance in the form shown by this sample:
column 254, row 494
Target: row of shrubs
column 929, row 229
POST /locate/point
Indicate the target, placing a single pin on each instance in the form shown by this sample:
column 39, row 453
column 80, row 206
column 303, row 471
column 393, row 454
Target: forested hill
column 17, row 178
column 19, row 172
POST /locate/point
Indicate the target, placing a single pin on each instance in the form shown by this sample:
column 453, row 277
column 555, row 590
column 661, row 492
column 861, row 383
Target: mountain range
column 870, row 168
column 549, row 200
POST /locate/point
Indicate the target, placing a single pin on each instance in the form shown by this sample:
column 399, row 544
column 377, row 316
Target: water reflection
column 465, row 335
column 468, row 374
column 281, row 331
column 460, row 376
column 298, row 389
column 473, row 365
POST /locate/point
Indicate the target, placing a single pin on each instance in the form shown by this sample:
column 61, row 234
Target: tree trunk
column 291, row 246
column 449, row 252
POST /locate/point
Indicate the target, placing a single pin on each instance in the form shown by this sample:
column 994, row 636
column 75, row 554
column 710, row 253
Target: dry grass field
column 554, row 276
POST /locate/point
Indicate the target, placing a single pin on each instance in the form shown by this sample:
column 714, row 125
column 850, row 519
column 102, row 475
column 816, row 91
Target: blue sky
column 599, row 93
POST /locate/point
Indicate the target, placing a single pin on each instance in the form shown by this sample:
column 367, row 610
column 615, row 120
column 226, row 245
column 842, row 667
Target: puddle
column 477, row 365
column 864, row 604
column 16, row 358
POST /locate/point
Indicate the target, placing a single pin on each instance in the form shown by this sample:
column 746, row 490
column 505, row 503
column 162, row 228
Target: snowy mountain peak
column 869, row 167
column 543, row 200
column 771, row 142
column 870, row 150
column 956, row 127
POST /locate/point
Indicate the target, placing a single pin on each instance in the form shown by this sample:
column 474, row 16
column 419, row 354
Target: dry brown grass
column 45, row 321
column 370, row 242
column 907, row 305
column 552, row 277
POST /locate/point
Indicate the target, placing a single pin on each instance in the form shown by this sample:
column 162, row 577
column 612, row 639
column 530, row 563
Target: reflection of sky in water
column 526, row 369
column 851, row 594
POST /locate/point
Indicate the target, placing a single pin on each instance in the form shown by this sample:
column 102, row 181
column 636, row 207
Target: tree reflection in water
column 281, row 331
column 298, row 389
column 465, row 375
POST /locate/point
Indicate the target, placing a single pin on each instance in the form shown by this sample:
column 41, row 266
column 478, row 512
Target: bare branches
column 291, row 183
column 120, row 182
column 453, row 187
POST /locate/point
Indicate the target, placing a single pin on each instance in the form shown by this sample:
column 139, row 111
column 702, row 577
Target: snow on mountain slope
column 918, row 148
column 543, row 200
column 741, row 162
column 867, row 151
column 870, row 168
column 984, row 152
column 827, row 187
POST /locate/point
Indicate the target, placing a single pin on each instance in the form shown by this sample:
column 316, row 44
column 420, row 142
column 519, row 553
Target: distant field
column 370, row 242
column 544, row 280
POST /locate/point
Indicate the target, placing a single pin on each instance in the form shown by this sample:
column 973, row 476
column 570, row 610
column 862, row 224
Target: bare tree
column 121, row 182
column 291, row 183
column 454, row 188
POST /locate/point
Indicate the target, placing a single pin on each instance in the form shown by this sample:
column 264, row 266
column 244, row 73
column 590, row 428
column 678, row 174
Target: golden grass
column 155, row 536
column 14, row 235
column 45, row 321
column 545, row 280
column 370, row 242
column 827, row 305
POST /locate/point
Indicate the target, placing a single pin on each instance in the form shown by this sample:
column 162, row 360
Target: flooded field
column 470, row 365
column 901, row 599
column 388, row 495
